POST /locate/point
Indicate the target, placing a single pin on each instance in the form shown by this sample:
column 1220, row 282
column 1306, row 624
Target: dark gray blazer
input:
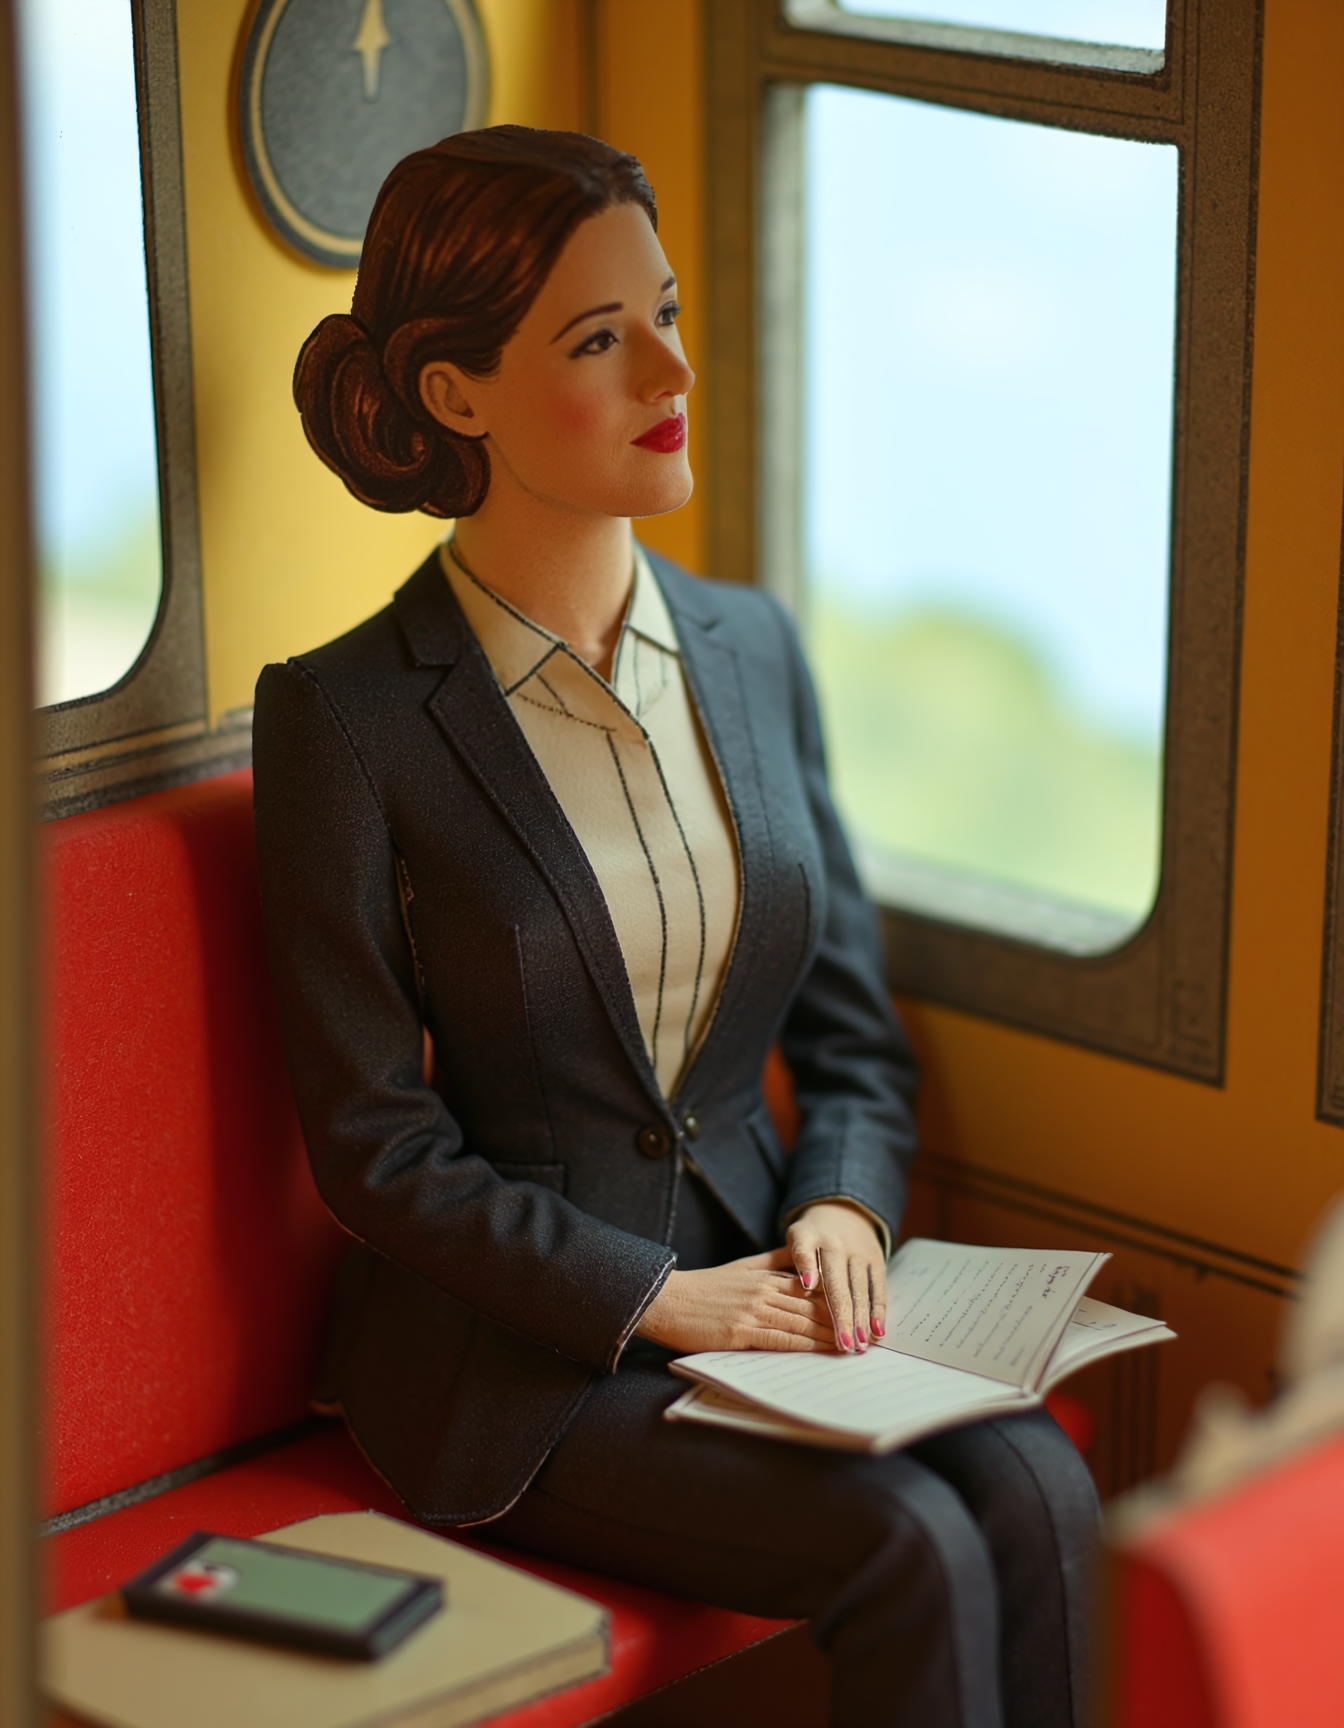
column 417, row 870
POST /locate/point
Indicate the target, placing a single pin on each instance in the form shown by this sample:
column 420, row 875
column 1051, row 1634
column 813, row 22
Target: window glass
column 1121, row 23
column 96, row 488
column 988, row 378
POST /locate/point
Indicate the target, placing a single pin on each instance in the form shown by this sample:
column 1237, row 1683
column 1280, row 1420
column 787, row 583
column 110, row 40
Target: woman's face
column 583, row 410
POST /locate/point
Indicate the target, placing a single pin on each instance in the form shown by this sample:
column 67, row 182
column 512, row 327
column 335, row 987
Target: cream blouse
column 632, row 770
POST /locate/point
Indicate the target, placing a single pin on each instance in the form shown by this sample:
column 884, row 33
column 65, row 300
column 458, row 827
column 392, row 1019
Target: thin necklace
column 460, row 561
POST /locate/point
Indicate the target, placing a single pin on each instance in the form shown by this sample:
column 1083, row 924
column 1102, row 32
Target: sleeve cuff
column 664, row 1273
column 879, row 1224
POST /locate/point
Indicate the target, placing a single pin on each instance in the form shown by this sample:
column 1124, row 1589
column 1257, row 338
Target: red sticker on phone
column 201, row 1579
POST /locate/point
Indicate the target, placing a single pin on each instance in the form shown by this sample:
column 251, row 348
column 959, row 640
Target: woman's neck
column 567, row 570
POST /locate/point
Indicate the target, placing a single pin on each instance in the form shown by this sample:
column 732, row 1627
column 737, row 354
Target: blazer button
column 654, row 1142
column 691, row 1127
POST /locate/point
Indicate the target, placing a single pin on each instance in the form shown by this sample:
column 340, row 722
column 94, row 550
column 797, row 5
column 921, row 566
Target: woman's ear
column 442, row 392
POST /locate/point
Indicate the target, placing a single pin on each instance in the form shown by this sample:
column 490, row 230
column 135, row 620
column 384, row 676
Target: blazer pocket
column 761, row 1127
column 544, row 1175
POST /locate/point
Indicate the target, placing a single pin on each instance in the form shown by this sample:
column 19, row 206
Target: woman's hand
column 838, row 1245
column 752, row 1304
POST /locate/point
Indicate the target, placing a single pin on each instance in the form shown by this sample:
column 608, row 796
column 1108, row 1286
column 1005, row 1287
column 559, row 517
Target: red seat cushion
column 655, row 1638
column 191, row 1259
column 1231, row 1611
column 1074, row 1418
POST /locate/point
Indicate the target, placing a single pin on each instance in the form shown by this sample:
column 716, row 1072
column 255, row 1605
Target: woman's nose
column 667, row 373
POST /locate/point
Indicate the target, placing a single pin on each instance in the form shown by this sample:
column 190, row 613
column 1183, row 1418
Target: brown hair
column 459, row 245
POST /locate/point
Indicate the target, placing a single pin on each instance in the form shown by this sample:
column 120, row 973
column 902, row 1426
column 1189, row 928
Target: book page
column 999, row 1312
column 701, row 1402
column 884, row 1397
column 1097, row 1330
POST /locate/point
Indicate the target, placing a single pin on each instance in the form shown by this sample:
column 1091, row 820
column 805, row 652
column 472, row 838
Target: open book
column 973, row 1332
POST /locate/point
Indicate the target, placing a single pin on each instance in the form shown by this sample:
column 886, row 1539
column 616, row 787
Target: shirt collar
column 648, row 615
column 516, row 647
column 513, row 644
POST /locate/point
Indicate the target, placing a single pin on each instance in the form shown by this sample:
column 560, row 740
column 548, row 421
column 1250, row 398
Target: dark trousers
column 948, row 1583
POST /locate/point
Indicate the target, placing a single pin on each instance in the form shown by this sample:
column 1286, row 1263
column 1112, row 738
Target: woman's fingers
column 803, row 1254
column 785, row 1341
column 859, row 1292
column 855, row 1287
column 878, row 1279
column 782, row 1318
column 839, row 1296
column 797, row 1313
column 791, row 1323
column 838, row 1251
column 831, row 1269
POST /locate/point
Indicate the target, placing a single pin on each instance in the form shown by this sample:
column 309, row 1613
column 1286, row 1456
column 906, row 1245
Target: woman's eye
column 597, row 343
column 670, row 313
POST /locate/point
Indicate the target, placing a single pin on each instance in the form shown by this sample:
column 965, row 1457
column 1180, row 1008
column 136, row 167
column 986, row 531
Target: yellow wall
column 290, row 559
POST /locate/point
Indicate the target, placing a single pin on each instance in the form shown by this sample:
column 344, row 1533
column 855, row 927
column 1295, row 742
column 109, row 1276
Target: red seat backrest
column 1229, row 1610
column 191, row 1258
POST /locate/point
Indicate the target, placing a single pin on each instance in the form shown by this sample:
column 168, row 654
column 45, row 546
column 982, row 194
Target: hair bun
column 363, row 431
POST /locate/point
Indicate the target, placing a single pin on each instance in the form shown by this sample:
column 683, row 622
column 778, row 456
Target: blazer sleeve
column 854, row 1072
column 389, row 1159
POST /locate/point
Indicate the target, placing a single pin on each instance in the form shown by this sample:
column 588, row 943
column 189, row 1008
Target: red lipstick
column 668, row 435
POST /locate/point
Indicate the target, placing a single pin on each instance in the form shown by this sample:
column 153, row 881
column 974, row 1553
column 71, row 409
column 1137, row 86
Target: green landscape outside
column 951, row 742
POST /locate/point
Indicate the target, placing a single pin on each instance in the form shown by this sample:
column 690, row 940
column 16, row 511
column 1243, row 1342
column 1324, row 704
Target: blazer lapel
column 714, row 673
column 469, row 708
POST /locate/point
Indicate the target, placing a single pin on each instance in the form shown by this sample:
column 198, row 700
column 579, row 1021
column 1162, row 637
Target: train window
column 1011, row 524
column 1126, row 23
column 987, row 352
column 95, row 455
column 123, row 672
column 1121, row 35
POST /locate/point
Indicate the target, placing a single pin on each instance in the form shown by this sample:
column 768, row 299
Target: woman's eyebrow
column 601, row 311
column 593, row 312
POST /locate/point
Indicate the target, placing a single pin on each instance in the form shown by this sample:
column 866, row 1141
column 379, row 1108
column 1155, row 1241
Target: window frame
column 151, row 728
column 1160, row 998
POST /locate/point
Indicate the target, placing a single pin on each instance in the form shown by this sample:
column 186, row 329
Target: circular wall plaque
column 336, row 92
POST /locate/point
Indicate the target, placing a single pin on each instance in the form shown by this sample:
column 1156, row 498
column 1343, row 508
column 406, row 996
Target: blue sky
column 990, row 313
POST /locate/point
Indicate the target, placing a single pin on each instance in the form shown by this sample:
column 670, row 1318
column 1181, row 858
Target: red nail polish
column 807, row 1280
column 863, row 1338
column 879, row 1330
column 846, row 1342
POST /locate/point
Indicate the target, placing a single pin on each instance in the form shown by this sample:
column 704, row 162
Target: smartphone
column 258, row 1590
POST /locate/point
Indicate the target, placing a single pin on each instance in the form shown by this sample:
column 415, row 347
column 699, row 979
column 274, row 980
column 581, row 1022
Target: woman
column 563, row 808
